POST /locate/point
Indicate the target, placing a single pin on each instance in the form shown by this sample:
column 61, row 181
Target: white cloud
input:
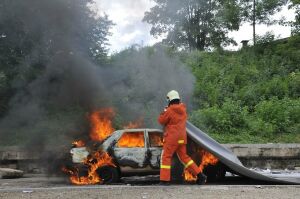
column 129, row 28
column 129, row 37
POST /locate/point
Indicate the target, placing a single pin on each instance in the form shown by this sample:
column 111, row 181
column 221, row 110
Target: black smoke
column 51, row 108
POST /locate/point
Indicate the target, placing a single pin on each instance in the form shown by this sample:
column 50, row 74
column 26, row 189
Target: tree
column 194, row 24
column 295, row 4
column 260, row 12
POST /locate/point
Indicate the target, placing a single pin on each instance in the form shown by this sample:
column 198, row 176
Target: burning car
column 111, row 154
column 129, row 152
column 132, row 152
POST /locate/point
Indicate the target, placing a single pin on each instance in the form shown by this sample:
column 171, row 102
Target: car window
column 155, row 139
column 131, row 139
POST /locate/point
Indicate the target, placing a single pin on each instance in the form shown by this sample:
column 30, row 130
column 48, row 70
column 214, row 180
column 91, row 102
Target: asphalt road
column 42, row 187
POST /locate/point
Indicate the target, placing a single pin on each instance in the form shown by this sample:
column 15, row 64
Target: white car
column 136, row 152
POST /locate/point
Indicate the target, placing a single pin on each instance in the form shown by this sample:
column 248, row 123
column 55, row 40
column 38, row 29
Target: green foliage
column 266, row 38
column 228, row 119
column 283, row 116
column 251, row 95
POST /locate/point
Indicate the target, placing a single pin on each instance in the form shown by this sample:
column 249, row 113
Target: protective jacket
column 174, row 120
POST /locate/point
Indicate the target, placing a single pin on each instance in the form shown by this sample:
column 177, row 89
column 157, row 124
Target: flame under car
column 133, row 152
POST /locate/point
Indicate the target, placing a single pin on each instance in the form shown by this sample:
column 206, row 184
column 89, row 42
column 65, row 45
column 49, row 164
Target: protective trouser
column 166, row 160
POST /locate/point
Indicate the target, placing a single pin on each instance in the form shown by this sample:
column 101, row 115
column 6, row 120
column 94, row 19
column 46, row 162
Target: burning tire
column 108, row 174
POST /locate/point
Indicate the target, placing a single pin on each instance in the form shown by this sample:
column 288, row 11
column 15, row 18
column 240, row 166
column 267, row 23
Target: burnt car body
column 140, row 157
column 135, row 152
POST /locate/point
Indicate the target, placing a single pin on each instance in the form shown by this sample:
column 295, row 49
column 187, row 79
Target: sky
column 129, row 29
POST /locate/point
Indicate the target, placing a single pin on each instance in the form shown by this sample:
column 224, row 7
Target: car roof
column 118, row 133
column 139, row 129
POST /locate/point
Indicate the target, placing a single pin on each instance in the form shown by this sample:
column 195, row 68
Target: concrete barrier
column 272, row 156
column 17, row 153
column 15, row 157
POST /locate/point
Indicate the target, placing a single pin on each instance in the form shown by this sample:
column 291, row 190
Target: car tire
column 108, row 174
column 215, row 173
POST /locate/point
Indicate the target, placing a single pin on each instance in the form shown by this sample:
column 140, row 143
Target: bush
column 228, row 119
column 251, row 95
column 283, row 115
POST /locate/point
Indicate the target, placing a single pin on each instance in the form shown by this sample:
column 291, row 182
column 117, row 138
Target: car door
column 155, row 138
column 130, row 149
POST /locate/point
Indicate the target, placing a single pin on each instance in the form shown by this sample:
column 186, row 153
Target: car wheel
column 215, row 172
column 108, row 174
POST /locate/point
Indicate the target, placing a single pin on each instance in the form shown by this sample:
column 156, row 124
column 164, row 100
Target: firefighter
column 174, row 118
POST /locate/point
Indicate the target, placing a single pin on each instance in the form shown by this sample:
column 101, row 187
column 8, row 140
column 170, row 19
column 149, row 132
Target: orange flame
column 98, row 160
column 100, row 128
column 101, row 124
column 133, row 125
column 189, row 177
column 132, row 140
column 207, row 159
column 79, row 143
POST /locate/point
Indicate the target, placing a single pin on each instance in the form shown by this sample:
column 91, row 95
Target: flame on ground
column 98, row 160
column 207, row 159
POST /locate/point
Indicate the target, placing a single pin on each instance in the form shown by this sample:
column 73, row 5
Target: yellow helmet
column 173, row 95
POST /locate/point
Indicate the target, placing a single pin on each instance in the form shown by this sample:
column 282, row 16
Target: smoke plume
column 51, row 109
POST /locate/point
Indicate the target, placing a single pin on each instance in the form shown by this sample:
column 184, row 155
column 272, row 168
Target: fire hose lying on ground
column 231, row 161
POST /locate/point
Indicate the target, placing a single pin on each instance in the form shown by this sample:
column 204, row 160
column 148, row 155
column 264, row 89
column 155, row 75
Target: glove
column 165, row 109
